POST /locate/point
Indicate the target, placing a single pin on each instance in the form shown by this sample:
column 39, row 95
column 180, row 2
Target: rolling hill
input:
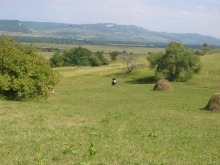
column 107, row 32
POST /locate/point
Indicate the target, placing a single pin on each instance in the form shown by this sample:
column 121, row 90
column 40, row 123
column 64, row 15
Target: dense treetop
column 176, row 64
column 24, row 74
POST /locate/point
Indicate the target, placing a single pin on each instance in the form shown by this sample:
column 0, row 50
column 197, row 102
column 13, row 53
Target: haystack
column 214, row 103
column 163, row 85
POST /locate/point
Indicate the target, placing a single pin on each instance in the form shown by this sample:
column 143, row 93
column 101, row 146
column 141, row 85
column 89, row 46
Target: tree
column 77, row 57
column 98, row 59
column 206, row 48
column 101, row 57
column 24, row 74
column 176, row 64
column 130, row 62
column 114, row 54
column 57, row 60
column 94, row 61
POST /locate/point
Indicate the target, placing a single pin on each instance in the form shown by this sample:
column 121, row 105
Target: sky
column 172, row 16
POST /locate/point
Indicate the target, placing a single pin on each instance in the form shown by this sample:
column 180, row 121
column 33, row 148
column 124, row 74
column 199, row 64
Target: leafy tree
column 176, row 64
column 94, row 61
column 101, row 57
column 198, row 52
column 114, row 54
column 77, row 57
column 206, row 48
column 124, row 51
column 24, row 74
column 98, row 59
column 57, row 60
column 130, row 62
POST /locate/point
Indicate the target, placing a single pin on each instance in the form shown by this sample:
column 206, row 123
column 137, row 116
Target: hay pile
column 214, row 103
column 163, row 85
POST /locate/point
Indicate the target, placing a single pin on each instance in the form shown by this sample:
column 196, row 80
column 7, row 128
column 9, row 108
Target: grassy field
column 94, row 48
column 127, row 124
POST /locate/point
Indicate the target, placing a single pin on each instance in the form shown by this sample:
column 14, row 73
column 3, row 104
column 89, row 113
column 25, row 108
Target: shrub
column 114, row 54
column 94, row 61
column 102, row 59
column 24, row 74
column 57, row 60
column 78, row 57
column 176, row 64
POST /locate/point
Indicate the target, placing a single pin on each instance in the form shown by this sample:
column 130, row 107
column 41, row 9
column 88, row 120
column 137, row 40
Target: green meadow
column 90, row 122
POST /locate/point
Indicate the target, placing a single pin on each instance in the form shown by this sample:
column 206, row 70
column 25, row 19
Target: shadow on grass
column 208, row 110
column 143, row 80
column 203, row 109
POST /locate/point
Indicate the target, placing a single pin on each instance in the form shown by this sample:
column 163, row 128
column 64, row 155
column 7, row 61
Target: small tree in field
column 24, row 74
column 77, row 57
column 57, row 60
column 206, row 48
column 176, row 64
column 98, row 59
column 130, row 62
column 114, row 54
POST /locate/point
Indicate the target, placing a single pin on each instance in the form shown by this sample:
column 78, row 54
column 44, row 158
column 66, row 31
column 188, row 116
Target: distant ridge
column 99, row 32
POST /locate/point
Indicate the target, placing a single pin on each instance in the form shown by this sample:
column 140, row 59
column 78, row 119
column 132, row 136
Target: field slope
column 127, row 124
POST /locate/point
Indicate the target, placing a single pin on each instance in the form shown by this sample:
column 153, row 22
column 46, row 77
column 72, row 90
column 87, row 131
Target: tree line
column 78, row 57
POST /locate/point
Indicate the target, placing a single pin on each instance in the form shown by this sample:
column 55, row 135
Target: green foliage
column 98, row 59
column 24, row 74
column 94, row 61
column 78, row 57
column 154, row 135
column 130, row 62
column 206, row 48
column 100, row 56
column 92, row 150
column 198, row 52
column 114, row 54
column 39, row 159
column 176, row 64
column 69, row 149
column 57, row 60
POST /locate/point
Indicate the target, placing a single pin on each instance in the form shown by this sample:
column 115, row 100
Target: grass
column 105, row 48
column 126, row 124
column 209, row 75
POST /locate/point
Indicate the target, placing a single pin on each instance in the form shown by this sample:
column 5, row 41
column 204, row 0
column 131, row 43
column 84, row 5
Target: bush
column 57, row 60
column 94, row 61
column 114, row 54
column 24, row 74
column 78, row 57
column 176, row 64
column 102, row 59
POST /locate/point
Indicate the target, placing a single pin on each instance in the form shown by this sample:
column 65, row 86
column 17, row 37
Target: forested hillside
column 13, row 26
column 105, row 33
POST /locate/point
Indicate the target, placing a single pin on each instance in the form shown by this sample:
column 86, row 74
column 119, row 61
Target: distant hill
column 106, row 32
column 13, row 26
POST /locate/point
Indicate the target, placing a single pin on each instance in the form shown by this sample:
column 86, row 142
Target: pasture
column 127, row 124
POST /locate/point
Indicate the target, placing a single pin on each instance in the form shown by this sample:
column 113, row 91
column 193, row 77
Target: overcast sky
column 177, row 16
